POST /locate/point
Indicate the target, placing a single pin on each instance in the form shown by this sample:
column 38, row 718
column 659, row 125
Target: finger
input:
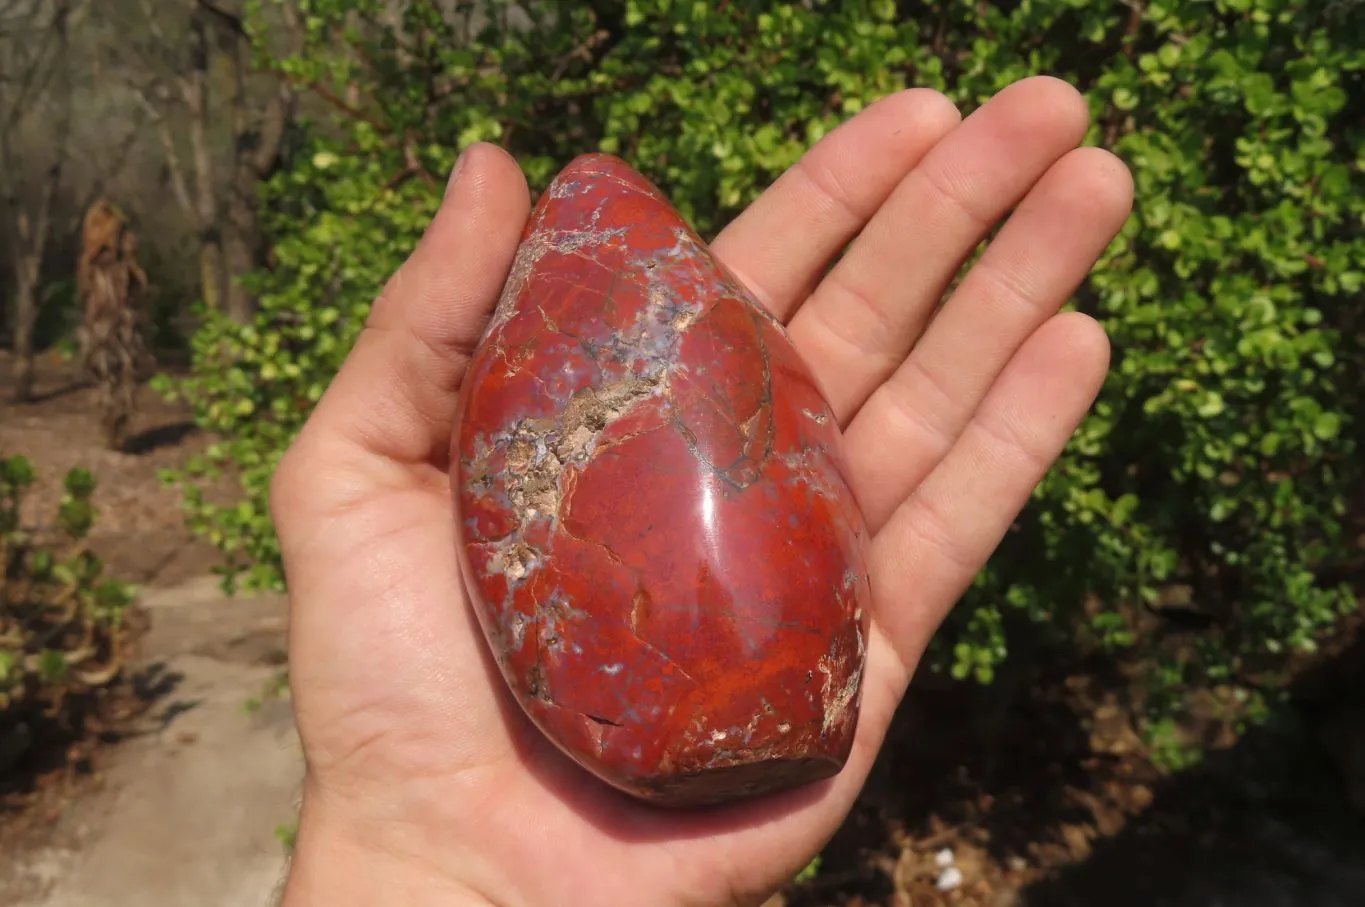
column 872, row 306
column 942, row 535
column 1030, row 269
column 782, row 243
column 395, row 395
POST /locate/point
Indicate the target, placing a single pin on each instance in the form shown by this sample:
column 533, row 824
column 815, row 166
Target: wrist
column 334, row 863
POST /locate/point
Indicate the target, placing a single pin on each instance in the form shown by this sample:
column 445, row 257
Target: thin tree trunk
column 255, row 149
column 27, row 267
column 195, row 88
column 242, row 242
column 32, row 231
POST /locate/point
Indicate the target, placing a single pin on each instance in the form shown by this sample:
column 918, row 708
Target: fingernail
column 455, row 171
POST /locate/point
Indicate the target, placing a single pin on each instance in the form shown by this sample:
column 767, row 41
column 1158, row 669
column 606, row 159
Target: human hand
column 425, row 783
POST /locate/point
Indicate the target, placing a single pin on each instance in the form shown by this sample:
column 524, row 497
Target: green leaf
column 1327, row 426
column 52, row 666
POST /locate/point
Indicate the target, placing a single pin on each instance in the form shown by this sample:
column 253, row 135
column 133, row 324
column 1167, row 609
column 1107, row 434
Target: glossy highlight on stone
column 654, row 524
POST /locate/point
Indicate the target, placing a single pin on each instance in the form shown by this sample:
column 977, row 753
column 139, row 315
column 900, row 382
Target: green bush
column 1214, row 471
column 61, row 620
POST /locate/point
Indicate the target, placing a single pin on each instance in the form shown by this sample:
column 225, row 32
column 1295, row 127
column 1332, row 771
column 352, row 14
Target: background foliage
column 60, row 618
column 1209, row 486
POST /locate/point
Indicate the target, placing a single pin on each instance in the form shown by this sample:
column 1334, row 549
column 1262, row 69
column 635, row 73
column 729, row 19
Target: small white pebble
column 949, row 879
column 944, row 857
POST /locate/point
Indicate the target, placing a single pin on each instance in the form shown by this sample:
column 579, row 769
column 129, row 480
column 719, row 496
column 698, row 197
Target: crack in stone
column 549, row 322
column 535, row 683
column 640, row 605
column 513, row 558
column 567, row 188
column 541, row 241
column 550, row 618
column 539, row 682
column 606, row 549
column 601, row 447
column 838, row 704
column 538, row 451
column 727, row 473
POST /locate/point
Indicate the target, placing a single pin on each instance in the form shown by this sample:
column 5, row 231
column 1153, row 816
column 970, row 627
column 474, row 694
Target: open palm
column 425, row 783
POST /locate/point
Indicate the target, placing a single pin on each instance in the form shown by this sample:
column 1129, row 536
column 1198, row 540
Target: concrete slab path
column 188, row 809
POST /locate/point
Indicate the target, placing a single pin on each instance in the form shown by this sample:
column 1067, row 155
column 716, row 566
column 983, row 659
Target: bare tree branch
column 33, row 224
column 176, row 172
column 34, row 76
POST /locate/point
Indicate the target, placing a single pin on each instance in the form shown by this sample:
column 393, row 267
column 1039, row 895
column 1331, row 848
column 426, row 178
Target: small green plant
column 277, row 687
column 61, row 619
column 287, row 833
column 1168, row 749
column 811, row 870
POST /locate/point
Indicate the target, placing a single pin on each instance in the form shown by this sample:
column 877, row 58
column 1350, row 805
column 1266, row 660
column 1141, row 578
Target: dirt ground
column 1037, row 792
column 139, row 531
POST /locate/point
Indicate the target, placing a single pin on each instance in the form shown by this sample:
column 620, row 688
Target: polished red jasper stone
column 655, row 525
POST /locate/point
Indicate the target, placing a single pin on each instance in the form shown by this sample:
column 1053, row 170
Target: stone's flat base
column 735, row 783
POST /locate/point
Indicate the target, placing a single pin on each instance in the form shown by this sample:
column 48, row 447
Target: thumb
column 392, row 403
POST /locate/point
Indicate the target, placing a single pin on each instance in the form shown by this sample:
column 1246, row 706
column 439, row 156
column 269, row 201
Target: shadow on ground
column 168, row 435
column 36, row 748
column 1044, row 806
column 57, row 393
column 1277, row 820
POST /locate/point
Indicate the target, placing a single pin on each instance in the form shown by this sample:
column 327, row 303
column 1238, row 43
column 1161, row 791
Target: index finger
column 782, row 243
